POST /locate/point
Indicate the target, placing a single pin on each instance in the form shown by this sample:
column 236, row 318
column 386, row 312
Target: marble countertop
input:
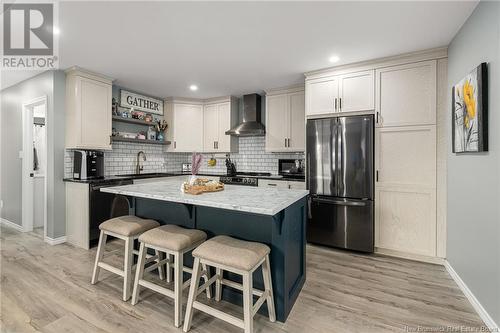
column 258, row 200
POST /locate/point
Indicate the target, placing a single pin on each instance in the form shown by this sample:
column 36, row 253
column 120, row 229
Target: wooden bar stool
column 174, row 241
column 236, row 256
column 128, row 228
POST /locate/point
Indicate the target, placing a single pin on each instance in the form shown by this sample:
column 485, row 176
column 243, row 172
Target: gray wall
column 473, row 246
column 11, row 100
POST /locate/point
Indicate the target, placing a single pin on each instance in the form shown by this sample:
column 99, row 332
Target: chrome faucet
column 138, row 166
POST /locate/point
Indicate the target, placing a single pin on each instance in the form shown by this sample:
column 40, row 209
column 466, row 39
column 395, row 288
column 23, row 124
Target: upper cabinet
column 352, row 92
column 200, row 125
column 88, row 110
column 219, row 117
column 406, row 94
column 285, row 127
column 186, row 125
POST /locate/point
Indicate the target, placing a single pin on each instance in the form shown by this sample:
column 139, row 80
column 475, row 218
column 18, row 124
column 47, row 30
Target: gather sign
column 139, row 102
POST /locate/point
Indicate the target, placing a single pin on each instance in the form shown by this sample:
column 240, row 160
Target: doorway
column 34, row 165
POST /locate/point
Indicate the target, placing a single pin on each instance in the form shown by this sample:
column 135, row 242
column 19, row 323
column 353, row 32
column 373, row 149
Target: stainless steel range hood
column 251, row 123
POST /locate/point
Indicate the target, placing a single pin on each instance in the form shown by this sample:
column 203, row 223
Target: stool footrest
column 219, row 314
column 110, row 268
column 236, row 285
column 157, row 288
column 156, row 265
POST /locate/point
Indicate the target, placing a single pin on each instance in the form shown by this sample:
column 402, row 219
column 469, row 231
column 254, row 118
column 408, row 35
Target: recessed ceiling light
column 193, row 87
column 334, row 58
column 56, row 31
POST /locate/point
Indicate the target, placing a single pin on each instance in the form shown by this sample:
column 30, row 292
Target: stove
column 244, row 178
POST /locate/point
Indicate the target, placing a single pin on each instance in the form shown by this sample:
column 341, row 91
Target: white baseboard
column 55, row 241
column 481, row 311
column 409, row 256
column 12, row 225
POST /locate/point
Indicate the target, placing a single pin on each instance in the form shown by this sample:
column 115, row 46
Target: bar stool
column 236, row 256
column 174, row 241
column 128, row 228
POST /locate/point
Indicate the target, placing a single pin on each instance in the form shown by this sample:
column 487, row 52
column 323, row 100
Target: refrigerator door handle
column 340, row 202
column 309, row 211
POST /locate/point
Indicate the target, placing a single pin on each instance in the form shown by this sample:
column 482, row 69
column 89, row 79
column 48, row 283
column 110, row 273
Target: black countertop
column 167, row 174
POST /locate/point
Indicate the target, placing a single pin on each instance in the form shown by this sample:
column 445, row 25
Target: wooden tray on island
column 202, row 185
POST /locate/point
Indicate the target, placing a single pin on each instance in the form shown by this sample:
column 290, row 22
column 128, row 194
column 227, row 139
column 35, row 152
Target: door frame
column 27, row 187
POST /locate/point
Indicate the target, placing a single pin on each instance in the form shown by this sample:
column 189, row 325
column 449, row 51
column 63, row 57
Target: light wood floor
column 47, row 288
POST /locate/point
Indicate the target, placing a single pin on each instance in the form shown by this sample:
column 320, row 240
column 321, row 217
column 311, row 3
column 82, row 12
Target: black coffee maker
column 88, row 164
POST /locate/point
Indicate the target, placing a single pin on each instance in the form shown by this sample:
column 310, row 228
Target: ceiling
column 161, row 48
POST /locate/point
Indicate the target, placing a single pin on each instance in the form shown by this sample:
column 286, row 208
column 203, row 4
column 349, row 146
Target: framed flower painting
column 470, row 112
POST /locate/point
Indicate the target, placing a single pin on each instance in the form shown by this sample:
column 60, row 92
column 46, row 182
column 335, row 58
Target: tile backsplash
column 122, row 159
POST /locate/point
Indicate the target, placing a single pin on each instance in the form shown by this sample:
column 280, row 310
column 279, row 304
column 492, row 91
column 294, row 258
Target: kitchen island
column 276, row 217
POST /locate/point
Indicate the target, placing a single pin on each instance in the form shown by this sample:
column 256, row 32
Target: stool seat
column 231, row 252
column 172, row 237
column 128, row 225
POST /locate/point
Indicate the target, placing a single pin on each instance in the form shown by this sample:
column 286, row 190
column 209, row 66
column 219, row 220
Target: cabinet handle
column 335, row 104
column 272, row 184
column 217, row 144
column 214, row 144
column 175, row 145
column 285, row 142
column 288, row 142
column 340, row 104
column 376, row 121
column 376, row 176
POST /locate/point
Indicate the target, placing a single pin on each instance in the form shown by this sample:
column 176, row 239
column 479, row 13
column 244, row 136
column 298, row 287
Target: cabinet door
column 406, row 95
column 188, row 127
column 210, row 127
column 276, row 124
column 296, row 185
column 95, row 114
column 357, row 92
column 273, row 183
column 223, row 141
column 296, row 111
column 321, row 96
column 405, row 196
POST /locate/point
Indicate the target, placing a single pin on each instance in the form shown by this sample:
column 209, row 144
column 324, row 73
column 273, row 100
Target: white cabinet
column 405, row 213
column 356, row 92
column 219, row 117
column 77, row 214
column 322, row 96
column 186, row 121
column 284, row 184
column 406, row 94
column 285, row 127
column 88, row 110
column 352, row 92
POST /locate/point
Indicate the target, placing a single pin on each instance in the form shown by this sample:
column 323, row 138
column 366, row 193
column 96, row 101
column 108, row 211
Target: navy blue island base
column 284, row 233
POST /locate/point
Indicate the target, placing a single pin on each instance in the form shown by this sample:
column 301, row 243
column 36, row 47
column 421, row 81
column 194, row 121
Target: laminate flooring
column 47, row 288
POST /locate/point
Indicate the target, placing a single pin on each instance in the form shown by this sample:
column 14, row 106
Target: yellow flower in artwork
column 470, row 103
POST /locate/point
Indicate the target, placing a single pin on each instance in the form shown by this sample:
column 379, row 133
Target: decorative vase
column 192, row 178
column 160, row 136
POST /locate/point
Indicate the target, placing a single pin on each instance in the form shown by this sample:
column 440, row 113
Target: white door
column 296, row 110
column 95, row 113
column 357, row 92
column 188, row 127
column 322, row 96
column 223, row 142
column 210, row 127
column 277, row 123
column 28, row 165
column 406, row 95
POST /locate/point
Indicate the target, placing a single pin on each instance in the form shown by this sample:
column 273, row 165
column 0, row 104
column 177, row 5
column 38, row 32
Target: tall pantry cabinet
column 409, row 94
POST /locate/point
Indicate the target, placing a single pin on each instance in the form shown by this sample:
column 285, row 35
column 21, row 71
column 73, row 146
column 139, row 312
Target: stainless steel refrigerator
column 341, row 183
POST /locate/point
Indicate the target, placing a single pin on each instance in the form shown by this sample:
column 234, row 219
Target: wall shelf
column 142, row 141
column 133, row 121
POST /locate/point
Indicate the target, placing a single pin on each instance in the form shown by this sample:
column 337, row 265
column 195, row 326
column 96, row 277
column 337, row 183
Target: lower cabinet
column 294, row 185
column 77, row 214
column 405, row 190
